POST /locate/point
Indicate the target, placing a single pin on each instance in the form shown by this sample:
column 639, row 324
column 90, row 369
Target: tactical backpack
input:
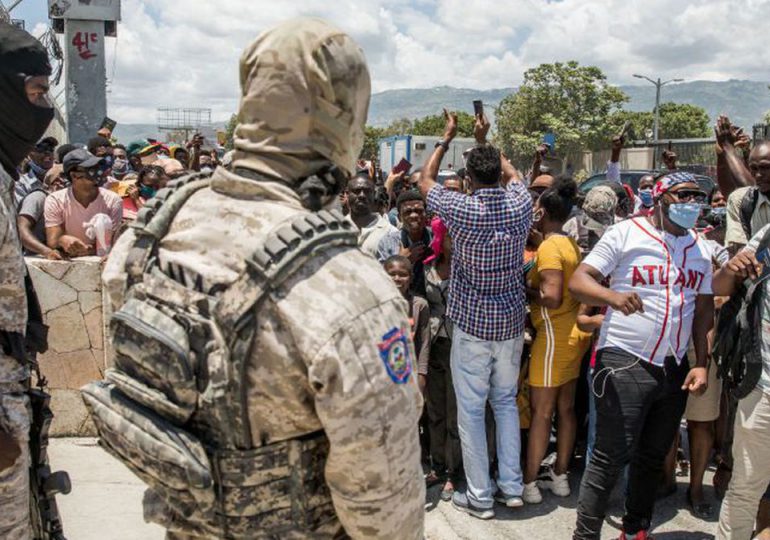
column 174, row 408
column 737, row 347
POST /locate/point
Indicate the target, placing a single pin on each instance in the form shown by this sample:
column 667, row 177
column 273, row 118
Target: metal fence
column 695, row 155
column 182, row 122
column 761, row 132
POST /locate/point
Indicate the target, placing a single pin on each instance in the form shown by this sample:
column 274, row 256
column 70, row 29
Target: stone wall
column 70, row 295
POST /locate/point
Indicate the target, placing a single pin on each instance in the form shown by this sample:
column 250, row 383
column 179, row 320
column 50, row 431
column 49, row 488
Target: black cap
column 96, row 142
column 47, row 144
column 63, row 150
column 80, row 158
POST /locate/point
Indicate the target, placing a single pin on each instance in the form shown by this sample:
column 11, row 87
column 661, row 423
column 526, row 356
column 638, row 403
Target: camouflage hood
column 305, row 95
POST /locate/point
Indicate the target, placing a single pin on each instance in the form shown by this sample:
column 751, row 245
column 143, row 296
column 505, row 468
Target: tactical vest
column 173, row 408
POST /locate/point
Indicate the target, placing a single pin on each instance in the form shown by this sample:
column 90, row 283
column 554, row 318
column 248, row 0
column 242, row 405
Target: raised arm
column 613, row 165
column 540, row 152
column 429, row 174
column 734, row 173
column 510, row 173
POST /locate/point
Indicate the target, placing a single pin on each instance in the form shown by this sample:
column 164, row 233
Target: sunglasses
column 90, row 174
column 689, row 195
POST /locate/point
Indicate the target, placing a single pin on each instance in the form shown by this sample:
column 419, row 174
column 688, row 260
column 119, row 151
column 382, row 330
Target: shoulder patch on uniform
column 394, row 351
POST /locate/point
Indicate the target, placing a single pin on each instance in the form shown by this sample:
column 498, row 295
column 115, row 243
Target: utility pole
column 85, row 25
column 658, row 85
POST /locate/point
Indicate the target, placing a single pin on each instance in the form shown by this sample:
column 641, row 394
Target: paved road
column 105, row 503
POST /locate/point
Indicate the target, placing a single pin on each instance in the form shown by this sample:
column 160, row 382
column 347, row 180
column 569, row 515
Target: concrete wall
column 630, row 159
column 70, row 296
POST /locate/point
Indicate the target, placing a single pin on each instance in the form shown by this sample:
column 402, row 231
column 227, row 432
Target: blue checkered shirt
column 489, row 230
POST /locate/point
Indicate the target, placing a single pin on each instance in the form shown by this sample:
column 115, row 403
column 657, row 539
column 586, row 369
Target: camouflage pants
column 316, row 535
column 15, row 417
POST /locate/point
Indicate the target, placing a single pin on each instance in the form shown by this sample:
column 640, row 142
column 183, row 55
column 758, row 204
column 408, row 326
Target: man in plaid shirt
column 487, row 305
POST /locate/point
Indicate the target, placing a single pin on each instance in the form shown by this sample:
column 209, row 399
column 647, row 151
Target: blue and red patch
column 394, row 351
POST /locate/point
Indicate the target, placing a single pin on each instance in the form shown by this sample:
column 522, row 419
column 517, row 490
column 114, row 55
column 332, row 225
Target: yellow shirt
column 557, row 252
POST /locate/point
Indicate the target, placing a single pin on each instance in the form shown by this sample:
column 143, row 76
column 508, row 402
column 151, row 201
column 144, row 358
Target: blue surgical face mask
column 684, row 214
column 147, row 192
column 646, row 196
column 37, row 169
column 719, row 211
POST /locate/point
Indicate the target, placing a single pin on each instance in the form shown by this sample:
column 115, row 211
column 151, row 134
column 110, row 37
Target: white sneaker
column 557, row 483
column 531, row 494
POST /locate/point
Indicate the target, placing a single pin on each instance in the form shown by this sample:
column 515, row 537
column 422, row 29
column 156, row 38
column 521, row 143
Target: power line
column 16, row 3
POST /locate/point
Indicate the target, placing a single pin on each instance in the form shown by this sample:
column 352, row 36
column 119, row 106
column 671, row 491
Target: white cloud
column 186, row 53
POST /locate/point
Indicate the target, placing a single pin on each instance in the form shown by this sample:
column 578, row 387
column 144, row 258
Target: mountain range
column 745, row 102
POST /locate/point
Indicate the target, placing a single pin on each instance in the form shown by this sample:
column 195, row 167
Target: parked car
column 632, row 178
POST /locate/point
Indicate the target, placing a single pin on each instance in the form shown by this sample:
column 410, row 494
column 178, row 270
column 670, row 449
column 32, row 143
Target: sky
column 185, row 53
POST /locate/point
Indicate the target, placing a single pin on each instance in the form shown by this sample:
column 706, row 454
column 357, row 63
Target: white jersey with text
column 667, row 272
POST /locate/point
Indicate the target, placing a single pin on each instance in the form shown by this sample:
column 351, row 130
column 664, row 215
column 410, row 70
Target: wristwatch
column 442, row 144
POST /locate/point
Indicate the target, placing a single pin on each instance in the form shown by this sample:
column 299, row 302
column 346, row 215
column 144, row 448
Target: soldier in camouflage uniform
column 331, row 352
column 24, row 116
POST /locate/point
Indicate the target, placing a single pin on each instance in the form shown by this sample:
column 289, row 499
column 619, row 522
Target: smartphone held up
column 478, row 108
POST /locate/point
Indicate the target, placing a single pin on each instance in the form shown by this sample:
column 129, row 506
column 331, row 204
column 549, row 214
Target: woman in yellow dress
column 559, row 345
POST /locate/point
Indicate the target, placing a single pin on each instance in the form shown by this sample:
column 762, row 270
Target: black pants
column 637, row 418
column 441, row 405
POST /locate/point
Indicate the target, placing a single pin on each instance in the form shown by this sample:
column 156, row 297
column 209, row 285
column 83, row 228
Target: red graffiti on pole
column 82, row 41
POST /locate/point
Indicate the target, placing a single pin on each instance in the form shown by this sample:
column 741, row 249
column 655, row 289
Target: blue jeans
column 487, row 370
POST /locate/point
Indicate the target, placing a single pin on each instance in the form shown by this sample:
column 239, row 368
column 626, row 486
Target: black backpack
column 737, row 347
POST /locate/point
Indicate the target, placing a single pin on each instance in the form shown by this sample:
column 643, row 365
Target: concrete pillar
column 86, row 78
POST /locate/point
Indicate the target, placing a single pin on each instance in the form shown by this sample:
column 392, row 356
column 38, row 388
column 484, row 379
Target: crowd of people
column 74, row 199
column 549, row 327
column 541, row 316
column 555, row 317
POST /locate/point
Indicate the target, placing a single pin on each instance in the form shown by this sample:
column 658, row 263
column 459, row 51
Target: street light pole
column 658, row 85
column 656, row 123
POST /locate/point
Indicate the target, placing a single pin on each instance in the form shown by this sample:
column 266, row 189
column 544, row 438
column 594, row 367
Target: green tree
column 767, row 117
column 677, row 121
column 371, row 137
column 402, row 126
column 639, row 123
column 683, row 121
column 434, row 125
column 230, row 132
column 572, row 101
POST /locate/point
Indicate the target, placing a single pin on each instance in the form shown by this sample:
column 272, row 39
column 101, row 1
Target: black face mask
column 21, row 122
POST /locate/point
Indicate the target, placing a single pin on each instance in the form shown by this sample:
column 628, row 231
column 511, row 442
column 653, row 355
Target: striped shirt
column 489, row 230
